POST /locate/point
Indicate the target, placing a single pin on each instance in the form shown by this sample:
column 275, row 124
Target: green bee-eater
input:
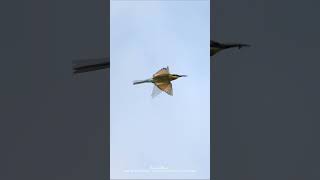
column 162, row 81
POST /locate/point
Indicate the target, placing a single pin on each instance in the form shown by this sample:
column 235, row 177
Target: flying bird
column 162, row 81
column 216, row 47
column 87, row 65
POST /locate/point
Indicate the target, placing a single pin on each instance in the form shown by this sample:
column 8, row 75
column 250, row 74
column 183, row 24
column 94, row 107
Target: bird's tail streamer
column 141, row 81
column 87, row 65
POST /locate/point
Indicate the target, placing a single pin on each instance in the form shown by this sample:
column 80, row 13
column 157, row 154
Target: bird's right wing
column 162, row 72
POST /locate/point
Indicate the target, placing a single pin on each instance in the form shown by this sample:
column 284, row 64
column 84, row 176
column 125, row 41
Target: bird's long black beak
column 243, row 45
column 182, row 75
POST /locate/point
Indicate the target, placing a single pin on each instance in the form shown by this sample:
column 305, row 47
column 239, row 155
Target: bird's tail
column 142, row 81
column 87, row 65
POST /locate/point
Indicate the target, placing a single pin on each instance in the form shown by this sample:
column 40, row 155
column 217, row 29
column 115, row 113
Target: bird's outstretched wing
column 162, row 71
column 166, row 87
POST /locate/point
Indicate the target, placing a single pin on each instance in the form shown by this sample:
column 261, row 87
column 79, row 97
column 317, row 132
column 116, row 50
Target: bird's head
column 176, row 76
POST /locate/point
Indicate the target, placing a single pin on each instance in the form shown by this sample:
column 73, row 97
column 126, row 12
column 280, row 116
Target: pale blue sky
column 170, row 131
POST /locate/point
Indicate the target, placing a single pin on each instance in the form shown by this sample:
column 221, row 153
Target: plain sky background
column 54, row 126
column 173, row 132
